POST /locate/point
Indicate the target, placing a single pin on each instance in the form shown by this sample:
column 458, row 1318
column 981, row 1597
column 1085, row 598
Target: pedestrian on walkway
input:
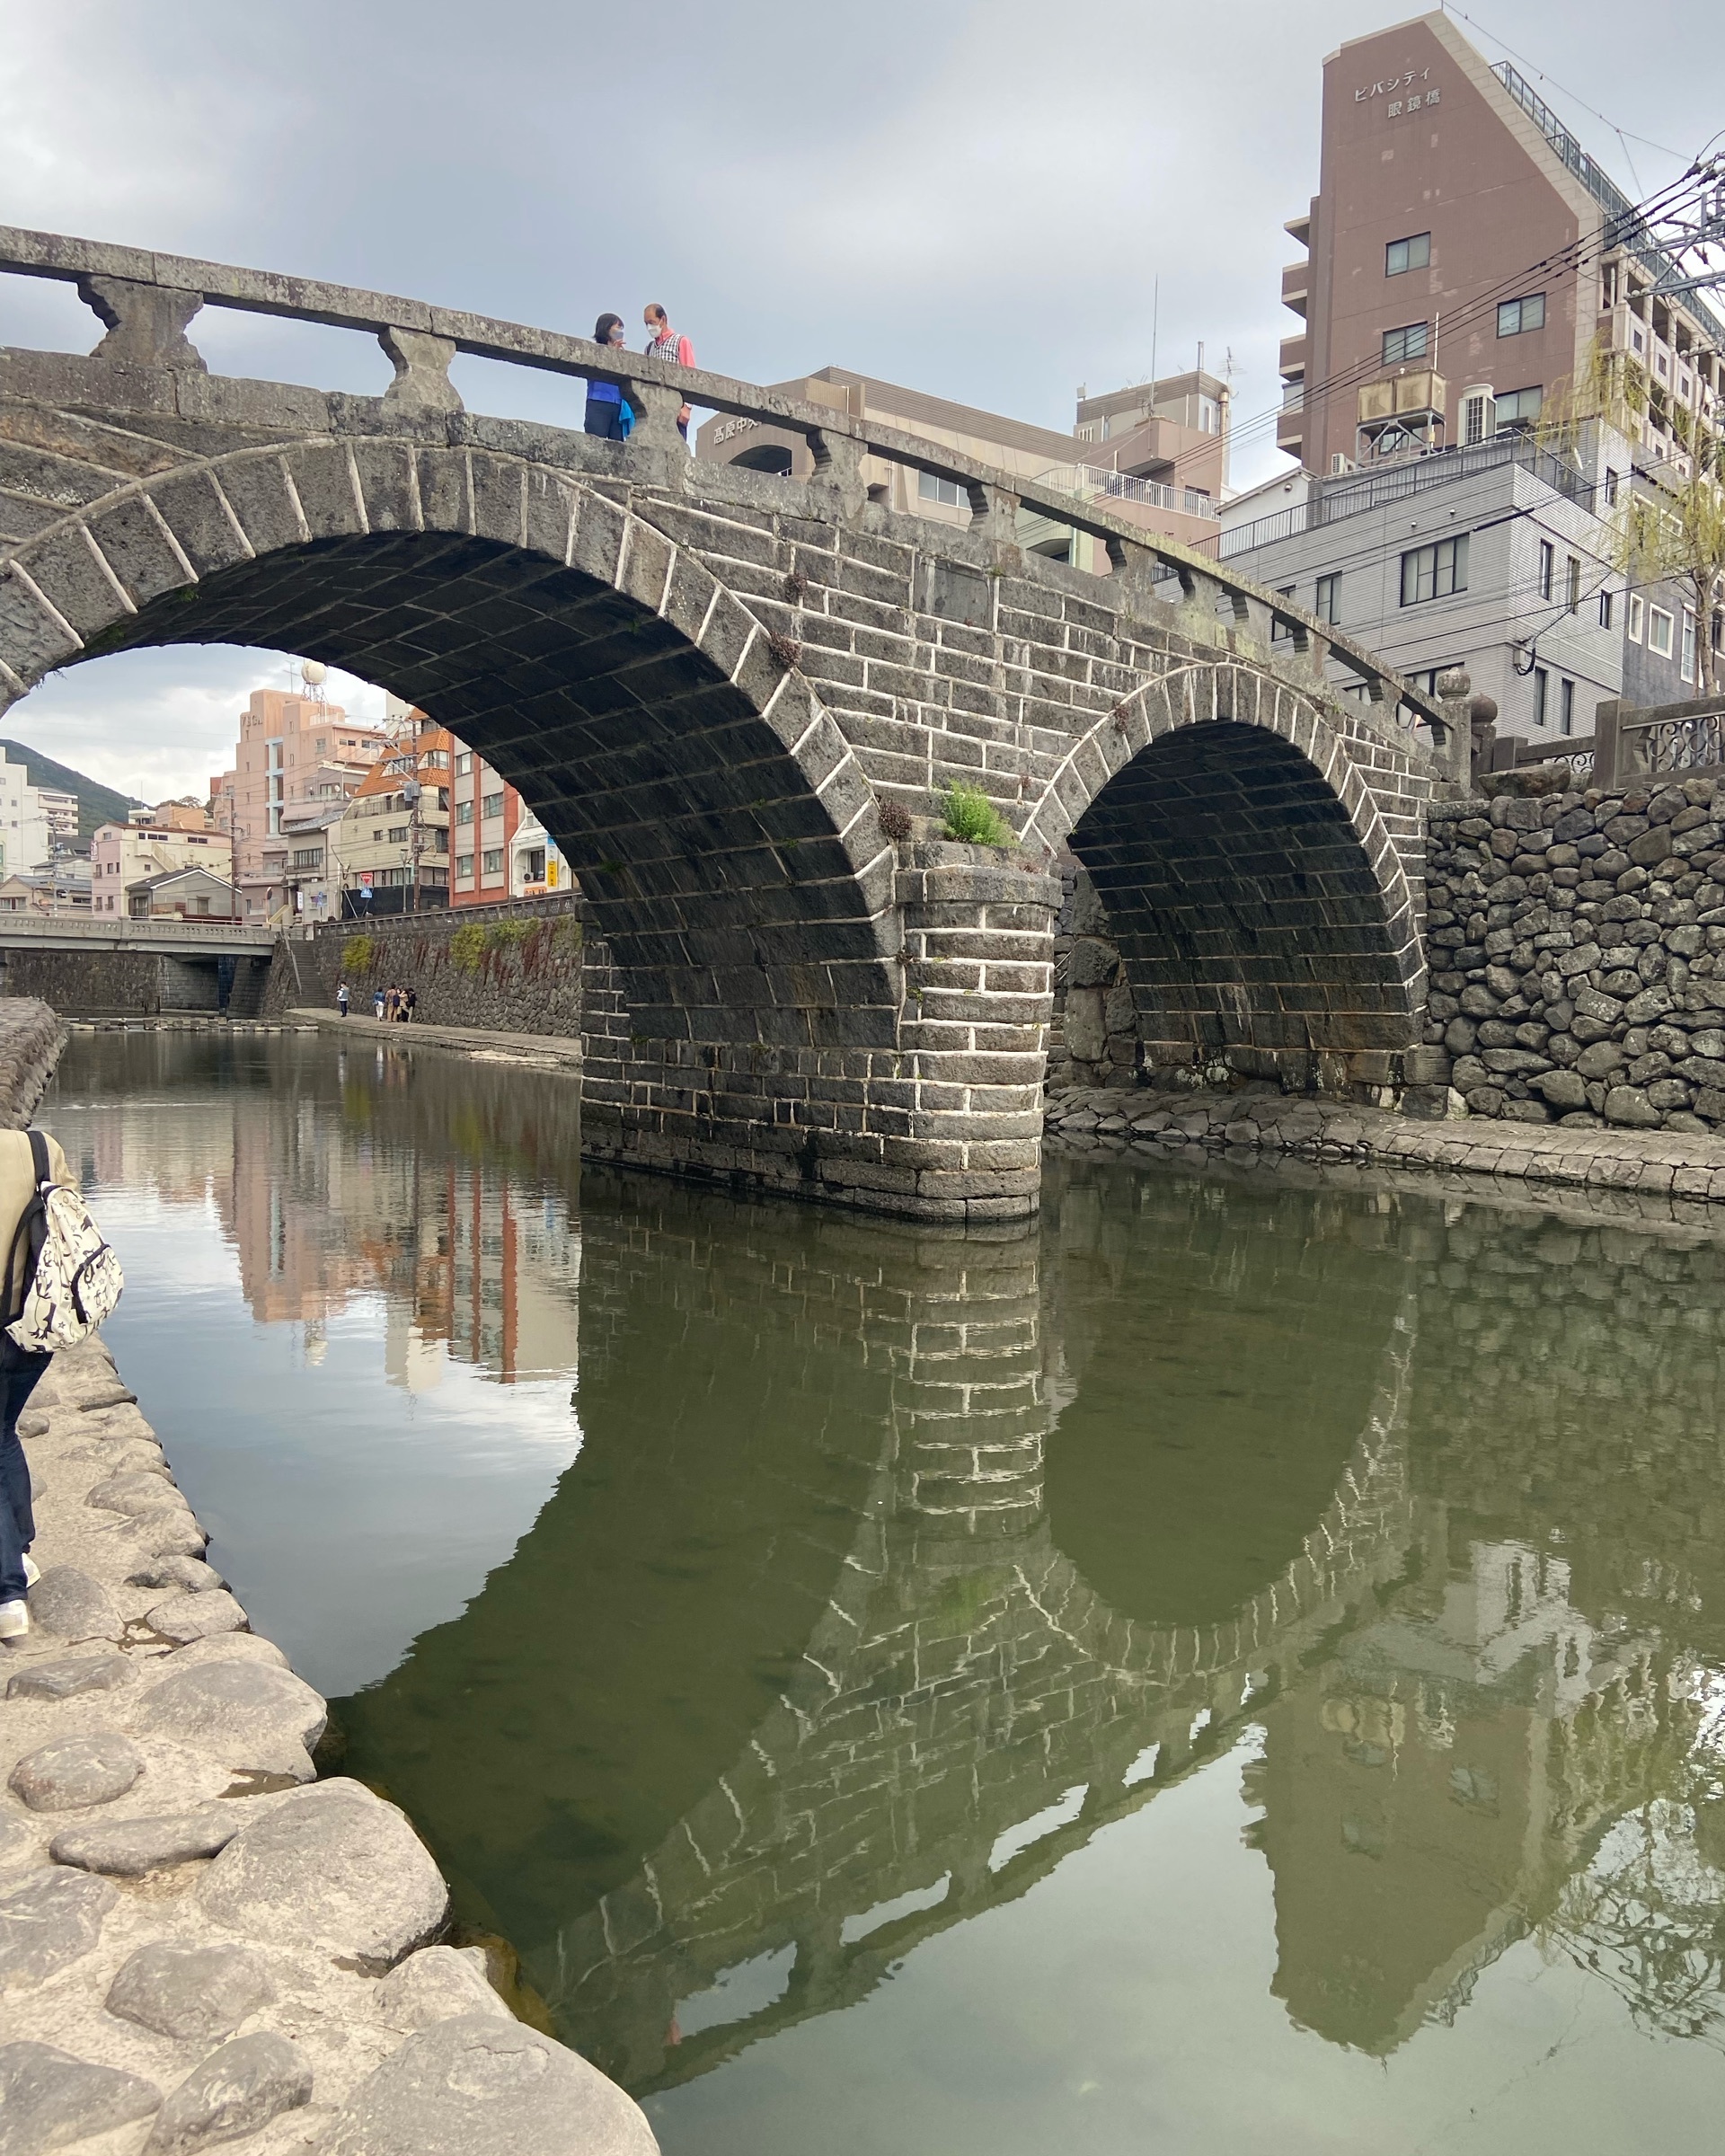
column 19, row 1373
column 409, row 1004
column 608, row 412
column 377, row 1004
column 664, row 344
column 341, row 997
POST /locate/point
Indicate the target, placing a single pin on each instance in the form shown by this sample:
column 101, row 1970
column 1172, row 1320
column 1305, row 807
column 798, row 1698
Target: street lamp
column 412, row 791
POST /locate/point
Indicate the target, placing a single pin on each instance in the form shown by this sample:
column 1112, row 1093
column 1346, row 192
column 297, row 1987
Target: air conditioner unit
column 1479, row 414
column 1338, row 463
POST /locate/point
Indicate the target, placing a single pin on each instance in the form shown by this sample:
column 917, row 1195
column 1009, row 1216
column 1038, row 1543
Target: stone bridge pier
column 736, row 699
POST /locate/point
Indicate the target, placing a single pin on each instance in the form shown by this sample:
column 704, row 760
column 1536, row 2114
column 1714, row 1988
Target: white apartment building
column 23, row 825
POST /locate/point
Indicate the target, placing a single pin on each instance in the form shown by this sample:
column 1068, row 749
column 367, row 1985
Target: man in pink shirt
column 664, row 344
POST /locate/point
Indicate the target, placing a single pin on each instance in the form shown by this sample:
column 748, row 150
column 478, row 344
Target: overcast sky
column 973, row 197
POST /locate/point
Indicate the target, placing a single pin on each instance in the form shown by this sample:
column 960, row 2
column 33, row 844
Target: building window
column 1517, row 315
column 1659, row 625
column 463, row 812
column 1401, row 255
column 1566, row 707
column 1542, row 692
column 1637, row 609
column 1613, row 479
column 463, row 763
column 492, row 805
column 1434, row 572
column 533, row 865
column 1547, row 566
column 398, row 834
column 1281, row 632
column 1406, row 343
column 947, row 490
column 1519, row 407
column 491, row 861
column 1572, row 584
column 308, row 857
column 465, row 865
column 1327, row 605
column 1687, row 665
column 1605, row 609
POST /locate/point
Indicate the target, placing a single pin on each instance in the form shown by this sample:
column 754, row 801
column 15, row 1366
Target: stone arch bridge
column 731, row 695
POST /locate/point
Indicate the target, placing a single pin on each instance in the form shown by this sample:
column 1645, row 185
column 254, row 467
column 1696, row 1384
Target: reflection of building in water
column 496, row 1275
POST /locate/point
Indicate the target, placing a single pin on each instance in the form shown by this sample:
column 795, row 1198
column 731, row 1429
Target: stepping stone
column 196, row 1616
column 189, row 1573
column 49, row 1922
column 32, row 1423
column 72, row 1771
column 133, row 1492
column 18, row 1843
column 434, row 1984
column 128, row 1847
column 71, row 1605
column 66, row 1679
column 90, row 1396
column 235, row 2090
column 332, row 1867
column 220, row 1647
column 246, row 1713
column 171, row 1531
column 475, row 2082
column 193, row 1993
column 48, row 2098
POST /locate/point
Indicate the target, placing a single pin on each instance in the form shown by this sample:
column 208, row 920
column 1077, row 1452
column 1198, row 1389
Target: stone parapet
column 31, row 1037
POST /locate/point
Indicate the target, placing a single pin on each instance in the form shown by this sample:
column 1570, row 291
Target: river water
column 1238, row 1665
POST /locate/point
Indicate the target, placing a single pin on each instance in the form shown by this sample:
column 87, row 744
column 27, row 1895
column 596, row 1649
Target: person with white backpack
column 61, row 1281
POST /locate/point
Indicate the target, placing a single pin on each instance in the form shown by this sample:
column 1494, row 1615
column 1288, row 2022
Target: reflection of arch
column 1252, row 885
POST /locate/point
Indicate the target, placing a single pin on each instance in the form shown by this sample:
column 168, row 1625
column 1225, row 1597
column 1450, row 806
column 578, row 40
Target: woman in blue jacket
column 608, row 413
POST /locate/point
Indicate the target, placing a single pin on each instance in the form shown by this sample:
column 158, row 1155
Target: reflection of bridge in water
column 889, row 1678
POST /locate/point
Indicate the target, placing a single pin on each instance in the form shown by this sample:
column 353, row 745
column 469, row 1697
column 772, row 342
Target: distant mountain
column 97, row 803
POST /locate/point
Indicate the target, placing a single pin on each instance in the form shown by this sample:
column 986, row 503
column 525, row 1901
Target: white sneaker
column 32, row 1571
column 14, row 1619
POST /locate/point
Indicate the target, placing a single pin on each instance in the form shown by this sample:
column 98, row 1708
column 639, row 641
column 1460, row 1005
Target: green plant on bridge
column 358, row 955
column 971, row 818
column 467, row 948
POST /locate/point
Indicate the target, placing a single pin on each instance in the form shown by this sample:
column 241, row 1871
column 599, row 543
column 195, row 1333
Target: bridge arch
column 1254, row 887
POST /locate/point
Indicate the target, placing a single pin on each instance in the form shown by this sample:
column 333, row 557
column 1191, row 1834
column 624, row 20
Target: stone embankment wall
column 509, row 969
column 1576, row 949
column 200, row 1941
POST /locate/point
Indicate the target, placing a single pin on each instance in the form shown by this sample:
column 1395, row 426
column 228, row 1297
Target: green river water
column 1235, row 1665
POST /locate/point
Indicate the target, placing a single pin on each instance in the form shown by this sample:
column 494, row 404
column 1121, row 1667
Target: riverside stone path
column 200, row 1941
column 546, row 1049
column 1262, row 1118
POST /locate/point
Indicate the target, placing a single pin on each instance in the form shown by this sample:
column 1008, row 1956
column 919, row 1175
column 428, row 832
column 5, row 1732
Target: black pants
column 605, row 417
column 19, row 1373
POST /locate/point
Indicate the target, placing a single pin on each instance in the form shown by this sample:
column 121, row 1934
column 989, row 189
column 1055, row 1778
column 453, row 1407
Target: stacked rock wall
column 30, row 1039
column 1574, row 940
column 1095, row 1035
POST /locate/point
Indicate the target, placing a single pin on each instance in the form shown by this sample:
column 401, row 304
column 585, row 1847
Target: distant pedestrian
column 409, row 1004
column 664, row 344
column 608, row 410
column 341, row 997
column 377, row 1004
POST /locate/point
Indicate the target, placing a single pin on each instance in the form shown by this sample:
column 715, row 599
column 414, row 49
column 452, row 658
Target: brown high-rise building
column 1458, row 245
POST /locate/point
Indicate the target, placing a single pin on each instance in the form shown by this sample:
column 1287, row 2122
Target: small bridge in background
column 732, row 697
column 97, row 967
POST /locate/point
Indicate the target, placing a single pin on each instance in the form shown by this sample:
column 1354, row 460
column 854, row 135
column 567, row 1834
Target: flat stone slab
column 128, row 1847
column 332, row 1867
column 170, row 1530
column 435, row 1985
column 69, row 1773
column 48, row 2098
column 48, row 1922
column 196, row 1616
column 65, row 1680
column 247, row 1713
column 71, row 1605
column 474, row 2083
column 189, row 1574
column 193, row 1993
column 133, row 1492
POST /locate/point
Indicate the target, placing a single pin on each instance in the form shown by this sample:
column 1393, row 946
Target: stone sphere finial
column 1482, row 710
column 1453, row 685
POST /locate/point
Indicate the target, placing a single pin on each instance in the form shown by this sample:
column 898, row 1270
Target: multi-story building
column 536, row 867
column 23, row 825
column 392, row 839
column 293, row 751
column 1463, row 484
column 1157, row 452
column 61, row 813
column 485, row 814
column 1464, row 257
column 122, row 856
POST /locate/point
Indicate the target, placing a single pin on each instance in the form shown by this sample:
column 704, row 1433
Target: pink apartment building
column 295, row 752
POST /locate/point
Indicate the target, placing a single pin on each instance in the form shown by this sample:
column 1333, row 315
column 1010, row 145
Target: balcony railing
column 1089, row 482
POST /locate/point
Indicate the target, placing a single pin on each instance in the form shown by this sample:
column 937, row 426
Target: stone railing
column 122, row 930
column 1654, row 739
column 147, row 301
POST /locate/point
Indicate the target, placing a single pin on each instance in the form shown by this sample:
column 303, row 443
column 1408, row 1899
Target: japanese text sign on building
column 1397, row 89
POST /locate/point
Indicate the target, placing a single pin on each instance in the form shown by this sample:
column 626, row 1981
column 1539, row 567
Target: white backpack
column 73, row 1278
